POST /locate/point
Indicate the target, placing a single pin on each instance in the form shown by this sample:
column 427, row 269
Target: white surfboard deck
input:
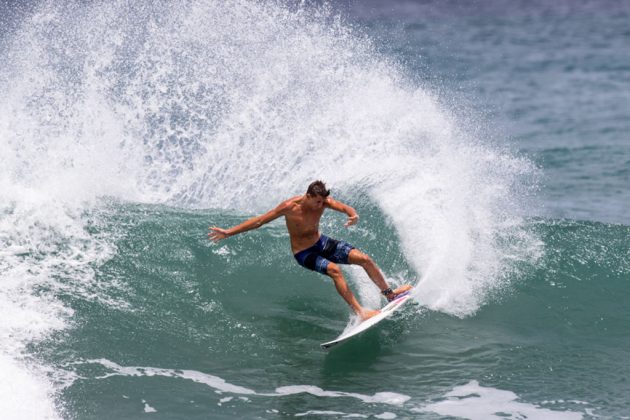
column 387, row 311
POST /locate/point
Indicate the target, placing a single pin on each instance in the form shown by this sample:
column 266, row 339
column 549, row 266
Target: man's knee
column 333, row 270
column 363, row 260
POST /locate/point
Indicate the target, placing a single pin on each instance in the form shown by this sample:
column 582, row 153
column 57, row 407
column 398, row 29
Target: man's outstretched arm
column 353, row 217
column 217, row 233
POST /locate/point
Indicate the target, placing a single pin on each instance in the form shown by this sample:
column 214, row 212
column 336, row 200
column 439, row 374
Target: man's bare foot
column 402, row 289
column 367, row 314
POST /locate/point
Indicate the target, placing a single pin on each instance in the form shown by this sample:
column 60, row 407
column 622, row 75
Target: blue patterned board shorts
column 325, row 251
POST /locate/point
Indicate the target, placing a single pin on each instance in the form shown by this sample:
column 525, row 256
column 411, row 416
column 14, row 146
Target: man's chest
column 302, row 219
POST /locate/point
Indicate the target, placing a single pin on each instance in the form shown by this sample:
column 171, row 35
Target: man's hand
column 352, row 220
column 353, row 217
column 217, row 234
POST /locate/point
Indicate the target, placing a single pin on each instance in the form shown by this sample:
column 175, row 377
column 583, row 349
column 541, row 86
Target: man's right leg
column 335, row 273
column 374, row 273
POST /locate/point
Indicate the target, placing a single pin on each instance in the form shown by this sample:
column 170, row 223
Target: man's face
column 315, row 202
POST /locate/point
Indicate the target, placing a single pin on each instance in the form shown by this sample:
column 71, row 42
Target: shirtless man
column 315, row 251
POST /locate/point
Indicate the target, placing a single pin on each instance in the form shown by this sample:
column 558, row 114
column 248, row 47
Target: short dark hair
column 317, row 188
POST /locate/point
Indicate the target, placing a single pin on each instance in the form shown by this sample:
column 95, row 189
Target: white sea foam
column 148, row 408
column 475, row 402
column 219, row 384
column 50, row 253
column 230, row 106
column 336, row 414
column 26, row 394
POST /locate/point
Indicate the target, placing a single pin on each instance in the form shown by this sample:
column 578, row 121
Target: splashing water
column 237, row 106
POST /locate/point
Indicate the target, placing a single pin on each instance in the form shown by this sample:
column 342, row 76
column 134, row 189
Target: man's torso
column 302, row 224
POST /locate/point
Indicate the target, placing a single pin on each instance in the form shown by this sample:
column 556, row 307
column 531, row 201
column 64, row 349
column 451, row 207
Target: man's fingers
column 217, row 234
column 213, row 235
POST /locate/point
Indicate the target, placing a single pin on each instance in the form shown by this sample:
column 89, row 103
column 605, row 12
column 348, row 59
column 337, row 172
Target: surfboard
column 387, row 311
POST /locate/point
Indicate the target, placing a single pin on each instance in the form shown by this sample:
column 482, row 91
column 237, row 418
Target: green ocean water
column 195, row 315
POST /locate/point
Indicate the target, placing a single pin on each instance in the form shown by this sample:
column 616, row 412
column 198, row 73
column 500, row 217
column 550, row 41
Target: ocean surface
column 484, row 144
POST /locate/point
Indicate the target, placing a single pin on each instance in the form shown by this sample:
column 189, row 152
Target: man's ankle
column 389, row 294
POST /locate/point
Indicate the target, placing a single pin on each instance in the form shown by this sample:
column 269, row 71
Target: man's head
column 316, row 194
column 317, row 188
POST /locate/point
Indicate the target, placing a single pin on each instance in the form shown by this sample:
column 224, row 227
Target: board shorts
column 325, row 251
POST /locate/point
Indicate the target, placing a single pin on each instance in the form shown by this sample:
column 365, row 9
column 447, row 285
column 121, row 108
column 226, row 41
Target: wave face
column 231, row 107
column 204, row 105
column 233, row 330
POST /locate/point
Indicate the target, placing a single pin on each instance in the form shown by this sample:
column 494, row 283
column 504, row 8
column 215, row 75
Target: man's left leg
column 359, row 258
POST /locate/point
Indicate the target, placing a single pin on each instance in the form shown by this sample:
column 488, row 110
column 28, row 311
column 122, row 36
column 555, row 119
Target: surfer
column 315, row 251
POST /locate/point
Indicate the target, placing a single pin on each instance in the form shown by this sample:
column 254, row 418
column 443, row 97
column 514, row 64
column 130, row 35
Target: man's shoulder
column 331, row 202
column 290, row 203
column 294, row 200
